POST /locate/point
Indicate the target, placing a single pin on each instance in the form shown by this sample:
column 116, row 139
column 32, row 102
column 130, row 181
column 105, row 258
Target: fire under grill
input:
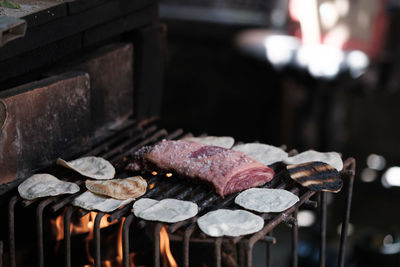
column 118, row 149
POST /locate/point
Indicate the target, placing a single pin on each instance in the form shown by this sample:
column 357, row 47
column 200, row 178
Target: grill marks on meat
column 317, row 176
column 227, row 170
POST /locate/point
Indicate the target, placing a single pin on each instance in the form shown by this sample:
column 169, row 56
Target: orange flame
column 86, row 225
column 165, row 249
column 119, row 246
column 132, row 259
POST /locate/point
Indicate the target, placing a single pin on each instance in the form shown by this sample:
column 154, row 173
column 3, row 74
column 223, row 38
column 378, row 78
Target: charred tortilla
column 317, row 176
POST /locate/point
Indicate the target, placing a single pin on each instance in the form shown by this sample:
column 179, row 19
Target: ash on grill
column 117, row 149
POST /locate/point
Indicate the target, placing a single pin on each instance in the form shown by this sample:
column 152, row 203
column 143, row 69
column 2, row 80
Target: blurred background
column 306, row 73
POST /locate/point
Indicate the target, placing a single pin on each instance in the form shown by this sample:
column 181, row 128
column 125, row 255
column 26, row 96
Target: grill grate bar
column 153, row 138
column 122, row 147
column 128, row 131
column 97, row 254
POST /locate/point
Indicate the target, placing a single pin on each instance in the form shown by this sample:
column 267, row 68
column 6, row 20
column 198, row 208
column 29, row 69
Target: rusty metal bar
column 249, row 254
column 82, row 212
column 67, row 235
column 187, row 191
column 206, row 203
column 275, row 221
column 39, row 228
column 268, row 251
column 349, row 163
column 156, row 237
column 295, row 239
column 241, row 251
column 311, row 204
column 129, row 130
column 60, row 203
column 217, row 251
column 170, row 191
column 11, row 228
column 323, row 213
column 199, row 196
column 96, row 231
column 175, row 134
column 186, row 242
column 125, row 239
column 121, row 147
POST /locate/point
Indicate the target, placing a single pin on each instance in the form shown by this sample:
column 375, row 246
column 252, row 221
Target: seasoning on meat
column 227, row 170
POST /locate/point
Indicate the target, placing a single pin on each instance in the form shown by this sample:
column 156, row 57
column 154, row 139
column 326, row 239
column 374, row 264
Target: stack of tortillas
column 104, row 194
column 45, row 185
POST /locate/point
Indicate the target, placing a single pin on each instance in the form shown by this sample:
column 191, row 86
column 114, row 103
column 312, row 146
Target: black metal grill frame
column 120, row 145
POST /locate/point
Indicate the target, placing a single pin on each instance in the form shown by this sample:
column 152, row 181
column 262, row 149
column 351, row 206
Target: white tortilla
column 331, row 158
column 92, row 167
column 221, row 141
column 263, row 153
column 266, row 200
column 167, row 210
column 225, row 222
column 90, row 201
column 131, row 187
column 44, row 185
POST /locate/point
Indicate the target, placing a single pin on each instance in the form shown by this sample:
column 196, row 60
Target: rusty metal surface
column 45, row 120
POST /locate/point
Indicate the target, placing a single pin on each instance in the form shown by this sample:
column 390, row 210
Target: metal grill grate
column 117, row 148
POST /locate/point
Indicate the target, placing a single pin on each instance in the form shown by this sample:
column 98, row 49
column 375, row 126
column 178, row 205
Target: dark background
column 213, row 86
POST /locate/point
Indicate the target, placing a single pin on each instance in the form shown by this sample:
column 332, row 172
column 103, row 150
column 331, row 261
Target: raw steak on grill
column 227, row 170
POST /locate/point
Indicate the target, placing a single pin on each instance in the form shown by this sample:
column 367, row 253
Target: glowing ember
column 168, row 174
column 152, row 186
column 165, row 249
column 154, row 173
